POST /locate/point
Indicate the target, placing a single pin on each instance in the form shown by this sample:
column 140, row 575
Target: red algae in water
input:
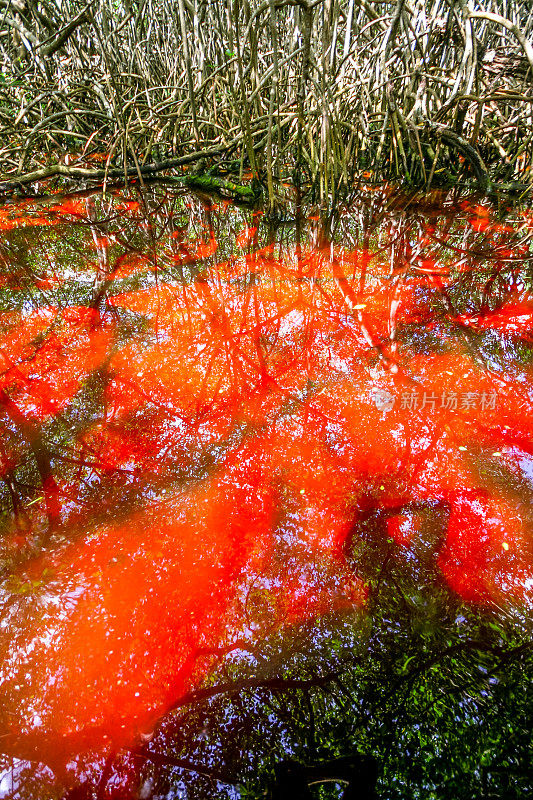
column 510, row 318
column 197, row 413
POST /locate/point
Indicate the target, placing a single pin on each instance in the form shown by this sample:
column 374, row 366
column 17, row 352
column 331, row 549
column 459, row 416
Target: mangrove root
column 470, row 154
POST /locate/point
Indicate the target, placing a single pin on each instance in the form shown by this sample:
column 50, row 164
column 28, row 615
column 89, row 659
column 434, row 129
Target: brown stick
column 81, row 173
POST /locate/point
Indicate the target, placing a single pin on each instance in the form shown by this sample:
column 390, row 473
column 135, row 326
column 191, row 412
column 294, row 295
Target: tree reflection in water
column 266, row 495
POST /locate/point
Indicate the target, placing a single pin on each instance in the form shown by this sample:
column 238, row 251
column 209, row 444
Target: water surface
column 237, row 451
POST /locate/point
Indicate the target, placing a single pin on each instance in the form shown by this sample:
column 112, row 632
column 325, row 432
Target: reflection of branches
column 406, row 683
column 504, row 655
column 57, row 751
column 93, row 465
column 236, row 687
column 34, row 437
column 249, row 335
column 351, row 301
column 166, row 760
column 74, row 743
column 489, row 254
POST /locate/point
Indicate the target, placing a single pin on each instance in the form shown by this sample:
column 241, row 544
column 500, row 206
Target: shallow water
column 235, row 451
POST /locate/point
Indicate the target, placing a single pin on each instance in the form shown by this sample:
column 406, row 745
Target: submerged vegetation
column 314, row 92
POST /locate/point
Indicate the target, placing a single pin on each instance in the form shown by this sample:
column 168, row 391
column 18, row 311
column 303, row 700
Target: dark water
column 266, row 494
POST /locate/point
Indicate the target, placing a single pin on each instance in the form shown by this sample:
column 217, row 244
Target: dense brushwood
column 329, row 89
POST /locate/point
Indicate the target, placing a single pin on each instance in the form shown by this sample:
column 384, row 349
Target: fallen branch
column 82, row 173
